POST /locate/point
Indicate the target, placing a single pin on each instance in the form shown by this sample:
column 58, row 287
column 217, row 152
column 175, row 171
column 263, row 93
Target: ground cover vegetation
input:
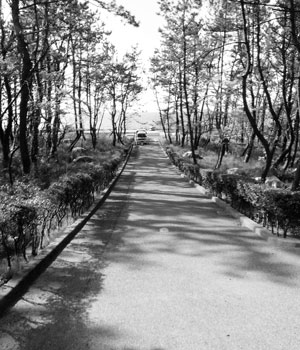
column 227, row 75
column 34, row 208
column 275, row 208
column 59, row 75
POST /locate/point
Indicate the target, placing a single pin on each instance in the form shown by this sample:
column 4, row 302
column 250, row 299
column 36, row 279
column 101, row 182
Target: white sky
column 124, row 36
column 146, row 35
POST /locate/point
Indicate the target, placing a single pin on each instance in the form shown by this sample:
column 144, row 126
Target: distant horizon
column 146, row 120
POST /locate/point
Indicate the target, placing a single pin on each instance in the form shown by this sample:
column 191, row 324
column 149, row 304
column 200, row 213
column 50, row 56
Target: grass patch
column 231, row 160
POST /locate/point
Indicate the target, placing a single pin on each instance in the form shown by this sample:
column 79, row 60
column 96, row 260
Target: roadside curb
column 246, row 222
column 243, row 220
column 17, row 286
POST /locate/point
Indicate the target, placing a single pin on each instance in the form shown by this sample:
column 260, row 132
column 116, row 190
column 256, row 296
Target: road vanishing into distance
column 161, row 267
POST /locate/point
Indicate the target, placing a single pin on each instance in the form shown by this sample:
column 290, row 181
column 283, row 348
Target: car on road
column 140, row 137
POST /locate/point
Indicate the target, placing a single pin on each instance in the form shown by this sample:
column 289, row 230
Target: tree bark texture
column 25, row 86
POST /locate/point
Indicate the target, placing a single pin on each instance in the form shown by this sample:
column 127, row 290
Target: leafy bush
column 19, row 212
column 29, row 214
column 277, row 209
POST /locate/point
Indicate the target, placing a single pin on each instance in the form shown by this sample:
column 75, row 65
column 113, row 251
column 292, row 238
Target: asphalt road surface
column 161, row 267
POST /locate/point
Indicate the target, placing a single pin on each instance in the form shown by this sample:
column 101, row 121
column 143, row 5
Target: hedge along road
column 160, row 267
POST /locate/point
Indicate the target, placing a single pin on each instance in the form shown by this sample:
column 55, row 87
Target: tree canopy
column 55, row 60
column 228, row 70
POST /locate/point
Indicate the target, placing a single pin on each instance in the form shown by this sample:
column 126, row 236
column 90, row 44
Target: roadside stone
column 274, row 182
column 8, row 342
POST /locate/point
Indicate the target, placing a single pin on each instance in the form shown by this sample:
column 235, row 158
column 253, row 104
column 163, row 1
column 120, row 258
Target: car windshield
column 141, row 134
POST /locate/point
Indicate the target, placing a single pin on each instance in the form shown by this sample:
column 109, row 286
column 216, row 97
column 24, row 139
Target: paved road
column 160, row 267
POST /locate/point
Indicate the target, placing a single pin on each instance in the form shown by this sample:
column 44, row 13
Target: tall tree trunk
column 185, row 91
column 113, row 119
column 25, row 86
column 161, row 116
column 182, row 121
column 296, row 134
column 296, row 180
column 222, row 151
column 36, row 119
column 5, row 131
column 252, row 117
column 5, row 134
column 177, row 131
column 249, row 148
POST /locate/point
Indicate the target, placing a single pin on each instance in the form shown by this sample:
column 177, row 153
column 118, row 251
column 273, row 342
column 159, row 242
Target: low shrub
column 29, row 214
column 278, row 209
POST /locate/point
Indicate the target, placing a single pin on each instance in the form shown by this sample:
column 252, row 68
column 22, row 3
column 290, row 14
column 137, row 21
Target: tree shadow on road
column 161, row 216
column 165, row 202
